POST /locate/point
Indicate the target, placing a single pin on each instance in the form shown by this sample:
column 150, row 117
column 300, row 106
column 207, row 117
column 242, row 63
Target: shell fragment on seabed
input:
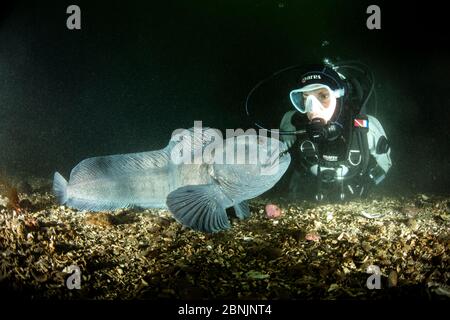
column 369, row 215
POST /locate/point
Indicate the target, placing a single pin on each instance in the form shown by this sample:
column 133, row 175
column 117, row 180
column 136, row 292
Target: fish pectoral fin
column 200, row 207
column 242, row 210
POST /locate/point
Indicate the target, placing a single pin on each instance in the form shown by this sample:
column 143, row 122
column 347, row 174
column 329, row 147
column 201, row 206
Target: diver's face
column 323, row 96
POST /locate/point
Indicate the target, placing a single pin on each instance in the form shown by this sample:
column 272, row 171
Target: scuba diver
column 337, row 150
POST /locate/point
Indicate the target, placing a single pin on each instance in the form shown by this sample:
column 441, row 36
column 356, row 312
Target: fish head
column 252, row 165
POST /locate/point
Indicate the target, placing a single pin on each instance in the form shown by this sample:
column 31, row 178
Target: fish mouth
column 281, row 155
column 278, row 163
column 283, row 150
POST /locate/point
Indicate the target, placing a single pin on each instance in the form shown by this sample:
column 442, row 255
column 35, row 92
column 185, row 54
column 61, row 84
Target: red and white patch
column 361, row 123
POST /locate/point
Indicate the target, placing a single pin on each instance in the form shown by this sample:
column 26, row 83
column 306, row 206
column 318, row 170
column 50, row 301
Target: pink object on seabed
column 272, row 211
column 312, row 236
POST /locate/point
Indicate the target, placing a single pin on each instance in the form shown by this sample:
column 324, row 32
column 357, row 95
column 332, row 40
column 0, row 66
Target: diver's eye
column 323, row 96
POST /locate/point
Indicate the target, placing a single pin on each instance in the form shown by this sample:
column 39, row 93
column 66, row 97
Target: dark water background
column 140, row 69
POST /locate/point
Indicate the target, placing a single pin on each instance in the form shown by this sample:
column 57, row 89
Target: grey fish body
column 197, row 194
column 146, row 187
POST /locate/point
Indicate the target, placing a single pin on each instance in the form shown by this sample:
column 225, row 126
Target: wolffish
column 197, row 194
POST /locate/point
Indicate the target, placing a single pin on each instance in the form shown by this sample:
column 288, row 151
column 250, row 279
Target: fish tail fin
column 60, row 188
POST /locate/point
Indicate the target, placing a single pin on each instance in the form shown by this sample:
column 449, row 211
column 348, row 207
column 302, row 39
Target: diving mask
column 306, row 101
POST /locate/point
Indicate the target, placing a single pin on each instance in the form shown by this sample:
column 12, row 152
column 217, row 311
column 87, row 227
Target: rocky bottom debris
column 309, row 251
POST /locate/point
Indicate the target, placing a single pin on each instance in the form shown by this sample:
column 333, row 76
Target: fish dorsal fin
column 242, row 210
column 117, row 165
column 200, row 207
